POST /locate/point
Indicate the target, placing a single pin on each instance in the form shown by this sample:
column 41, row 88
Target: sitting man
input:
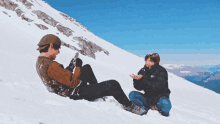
column 153, row 79
column 63, row 82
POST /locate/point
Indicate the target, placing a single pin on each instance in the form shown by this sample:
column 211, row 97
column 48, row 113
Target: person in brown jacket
column 63, row 82
column 57, row 79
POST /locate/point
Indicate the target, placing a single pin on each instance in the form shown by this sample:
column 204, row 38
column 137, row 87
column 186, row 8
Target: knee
column 86, row 69
column 165, row 103
column 114, row 82
column 86, row 66
column 132, row 95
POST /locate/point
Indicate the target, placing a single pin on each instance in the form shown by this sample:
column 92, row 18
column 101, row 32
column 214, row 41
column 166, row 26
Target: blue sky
column 183, row 32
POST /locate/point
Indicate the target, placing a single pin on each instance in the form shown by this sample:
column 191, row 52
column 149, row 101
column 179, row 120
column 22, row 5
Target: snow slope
column 25, row 100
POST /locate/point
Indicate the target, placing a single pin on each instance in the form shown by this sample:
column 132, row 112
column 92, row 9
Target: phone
column 77, row 55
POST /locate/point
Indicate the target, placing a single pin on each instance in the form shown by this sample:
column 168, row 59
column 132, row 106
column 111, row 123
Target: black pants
column 96, row 90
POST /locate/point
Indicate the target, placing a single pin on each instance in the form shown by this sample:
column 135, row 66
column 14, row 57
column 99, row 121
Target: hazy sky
column 181, row 31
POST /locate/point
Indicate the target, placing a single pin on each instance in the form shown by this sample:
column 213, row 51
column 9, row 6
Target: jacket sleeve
column 57, row 72
column 161, row 81
column 138, row 83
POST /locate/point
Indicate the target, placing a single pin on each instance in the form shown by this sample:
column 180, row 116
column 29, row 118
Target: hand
column 132, row 76
column 137, row 77
column 78, row 62
column 74, row 58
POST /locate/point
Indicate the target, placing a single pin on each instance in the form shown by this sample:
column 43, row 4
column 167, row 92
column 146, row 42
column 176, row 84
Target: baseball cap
column 47, row 39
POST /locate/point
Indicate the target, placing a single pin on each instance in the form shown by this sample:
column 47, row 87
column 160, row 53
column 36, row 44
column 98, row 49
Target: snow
column 25, row 100
column 185, row 72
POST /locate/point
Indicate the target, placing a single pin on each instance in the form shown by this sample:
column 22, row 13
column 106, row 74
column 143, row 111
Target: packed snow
column 25, row 100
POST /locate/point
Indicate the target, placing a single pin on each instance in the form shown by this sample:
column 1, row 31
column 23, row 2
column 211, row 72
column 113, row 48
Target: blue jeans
column 163, row 104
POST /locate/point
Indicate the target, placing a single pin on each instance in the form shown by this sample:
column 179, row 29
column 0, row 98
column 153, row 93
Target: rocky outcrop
column 66, row 31
column 26, row 3
column 6, row 13
column 49, row 20
column 12, row 6
column 26, row 18
column 68, row 17
column 42, row 27
column 70, row 46
column 46, row 18
column 74, row 21
column 19, row 12
column 89, row 48
column 8, row 4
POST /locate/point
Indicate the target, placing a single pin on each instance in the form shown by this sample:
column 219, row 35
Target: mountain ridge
column 200, row 75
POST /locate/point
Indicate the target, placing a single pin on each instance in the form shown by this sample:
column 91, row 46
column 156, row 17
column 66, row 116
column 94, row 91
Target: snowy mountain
column 199, row 75
column 183, row 70
column 212, row 68
column 25, row 100
column 213, row 82
column 173, row 66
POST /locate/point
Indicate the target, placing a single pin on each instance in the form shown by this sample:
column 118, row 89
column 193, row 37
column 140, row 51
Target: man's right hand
column 78, row 62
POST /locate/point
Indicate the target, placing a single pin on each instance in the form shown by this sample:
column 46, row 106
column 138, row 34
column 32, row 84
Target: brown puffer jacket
column 57, row 79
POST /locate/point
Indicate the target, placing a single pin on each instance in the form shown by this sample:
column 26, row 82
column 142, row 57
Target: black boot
column 75, row 94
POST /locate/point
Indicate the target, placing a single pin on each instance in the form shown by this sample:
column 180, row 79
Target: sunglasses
column 152, row 54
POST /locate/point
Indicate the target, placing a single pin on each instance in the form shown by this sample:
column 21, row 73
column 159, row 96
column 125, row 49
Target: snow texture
column 25, row 100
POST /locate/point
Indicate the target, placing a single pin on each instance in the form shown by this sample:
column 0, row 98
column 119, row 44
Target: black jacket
column 154, row 83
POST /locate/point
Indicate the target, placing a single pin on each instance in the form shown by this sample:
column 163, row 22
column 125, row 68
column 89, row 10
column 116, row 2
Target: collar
column 44, row 57
column 151, row 67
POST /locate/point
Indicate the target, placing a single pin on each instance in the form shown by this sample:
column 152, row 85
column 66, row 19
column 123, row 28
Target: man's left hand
column 137, row 77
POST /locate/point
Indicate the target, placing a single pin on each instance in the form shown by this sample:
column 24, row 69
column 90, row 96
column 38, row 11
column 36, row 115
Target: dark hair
column 55, row 46
column 45, row 49
column 153, row 57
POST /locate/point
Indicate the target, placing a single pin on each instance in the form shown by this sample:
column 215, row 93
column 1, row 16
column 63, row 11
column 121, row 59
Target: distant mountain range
column 211, row 68
column 206, row 76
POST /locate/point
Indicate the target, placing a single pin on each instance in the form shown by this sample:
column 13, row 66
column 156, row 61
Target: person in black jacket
column 153, row 80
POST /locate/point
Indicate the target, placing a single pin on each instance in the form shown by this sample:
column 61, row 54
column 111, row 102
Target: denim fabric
column 138, row 99
column 163, row 105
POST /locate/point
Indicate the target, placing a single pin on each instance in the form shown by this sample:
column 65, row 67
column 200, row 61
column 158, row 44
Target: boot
column 75, row 94
column 136, row 109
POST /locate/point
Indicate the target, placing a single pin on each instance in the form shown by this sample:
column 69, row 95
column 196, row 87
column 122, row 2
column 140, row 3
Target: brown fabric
column 41, row 66
column 154, row 107
column 57, row 72
column 47, row 39
column 55, row 77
